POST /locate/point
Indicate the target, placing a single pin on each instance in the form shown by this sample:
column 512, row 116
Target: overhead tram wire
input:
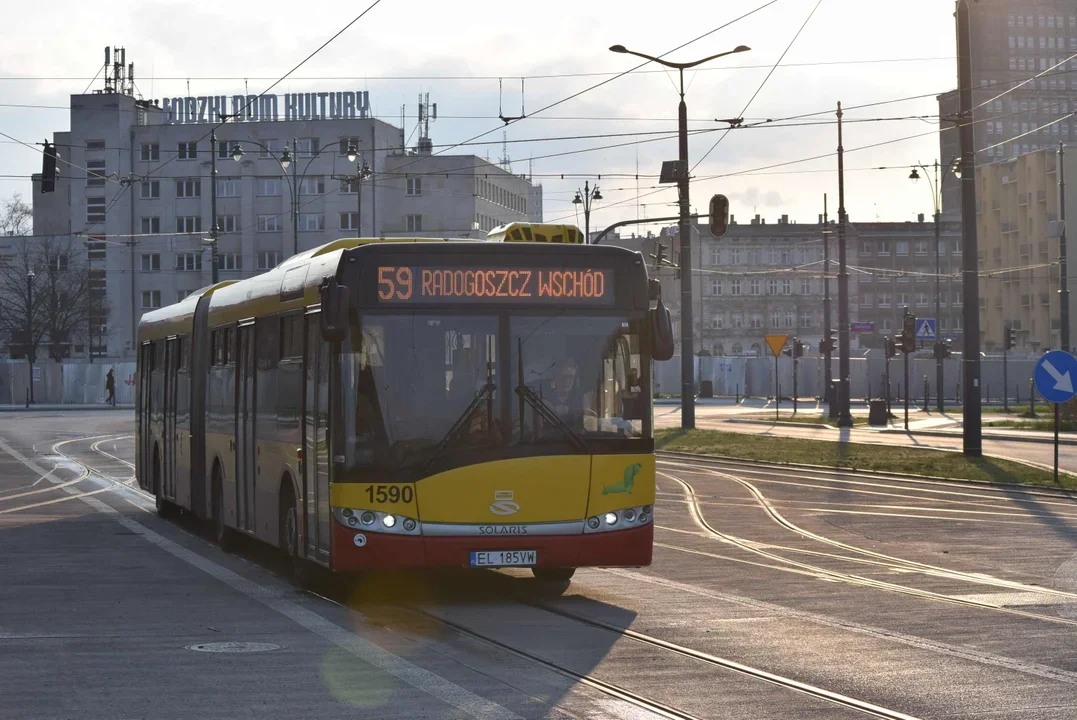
column 604, row 82
column 762, row 84
column 275, row 83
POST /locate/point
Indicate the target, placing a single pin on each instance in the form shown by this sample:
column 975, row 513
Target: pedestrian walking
column 110, row 386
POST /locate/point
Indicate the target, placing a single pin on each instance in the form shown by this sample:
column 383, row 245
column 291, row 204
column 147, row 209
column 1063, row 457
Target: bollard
column 926, row 397
column 737, row 401
column 1031, row 397
column 27, row 396
column 987, row 389
column 1017, row 388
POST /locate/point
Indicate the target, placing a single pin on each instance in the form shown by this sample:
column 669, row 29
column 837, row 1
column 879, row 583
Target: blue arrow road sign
column 1055, row 374
column 925, row 328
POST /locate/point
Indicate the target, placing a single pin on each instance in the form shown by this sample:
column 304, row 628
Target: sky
column 854, row 51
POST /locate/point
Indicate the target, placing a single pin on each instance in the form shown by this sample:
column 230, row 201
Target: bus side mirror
column 661, row 332
column 334, row 315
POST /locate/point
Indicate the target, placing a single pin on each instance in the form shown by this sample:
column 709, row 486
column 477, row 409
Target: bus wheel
column 553, row 575
column 222, row 534
column 289, row 538
column 165, row 509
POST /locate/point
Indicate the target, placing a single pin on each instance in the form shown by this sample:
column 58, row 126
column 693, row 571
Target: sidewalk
column 68, row 407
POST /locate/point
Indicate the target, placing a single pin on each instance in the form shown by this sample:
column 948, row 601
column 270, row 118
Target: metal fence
column 754, row 377
column 65, row 382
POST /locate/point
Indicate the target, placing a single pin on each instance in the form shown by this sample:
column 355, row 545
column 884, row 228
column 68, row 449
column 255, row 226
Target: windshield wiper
column 550, row 416
column 481, row 396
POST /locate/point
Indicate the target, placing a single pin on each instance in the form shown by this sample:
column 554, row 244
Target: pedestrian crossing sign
column 925, row 329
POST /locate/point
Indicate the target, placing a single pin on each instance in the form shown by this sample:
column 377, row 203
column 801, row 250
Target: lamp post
column 362, row 172
column 29, row 329
column 688, row 408
column 285, row 161
column 936, row 198
column 588, row 196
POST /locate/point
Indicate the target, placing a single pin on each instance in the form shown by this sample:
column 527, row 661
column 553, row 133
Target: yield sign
column 776, row 343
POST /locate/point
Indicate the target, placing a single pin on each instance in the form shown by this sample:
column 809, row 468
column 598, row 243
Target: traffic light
column 659, row 256
column 908, row 332
column 943, row 349
column 799, row 348
column 1011, row 338
column 891, row 347
column 719, row 215
column 48, row 168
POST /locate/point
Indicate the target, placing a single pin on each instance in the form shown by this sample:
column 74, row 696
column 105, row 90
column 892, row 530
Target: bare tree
column 64, row 284
column 16, row 216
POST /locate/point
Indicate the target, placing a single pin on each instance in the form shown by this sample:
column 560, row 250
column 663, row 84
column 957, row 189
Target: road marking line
column 1028, row 668
column 419, row 678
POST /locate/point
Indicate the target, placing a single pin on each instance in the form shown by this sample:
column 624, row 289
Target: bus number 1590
column 390, row 493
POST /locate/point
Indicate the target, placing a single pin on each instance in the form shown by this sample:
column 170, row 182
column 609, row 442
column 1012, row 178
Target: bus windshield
column 419, row 388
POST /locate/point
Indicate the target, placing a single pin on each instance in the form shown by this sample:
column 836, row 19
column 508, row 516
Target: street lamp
column 588, row 196
column 936, row 197
column 688, row 408
column 285, row 161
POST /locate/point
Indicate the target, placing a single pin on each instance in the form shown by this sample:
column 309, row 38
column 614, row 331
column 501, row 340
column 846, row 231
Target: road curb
column 65, row 408
column 898, row 431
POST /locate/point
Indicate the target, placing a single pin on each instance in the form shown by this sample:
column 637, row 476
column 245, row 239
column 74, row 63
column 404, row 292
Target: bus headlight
column 351, row 520
column 409, row 524
column 375, row 521
column 593, row 523
column 611, row 518
column 388, row 521
column 629, row 515
column 617, row 520
column 368, row 517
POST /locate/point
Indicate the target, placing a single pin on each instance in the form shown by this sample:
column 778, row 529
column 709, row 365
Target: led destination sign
column 410, row 284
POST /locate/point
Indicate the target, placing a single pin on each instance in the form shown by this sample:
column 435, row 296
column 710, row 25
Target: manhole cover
column 234, row 647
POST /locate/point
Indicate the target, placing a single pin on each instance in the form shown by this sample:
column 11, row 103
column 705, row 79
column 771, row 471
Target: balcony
column 1041, row 196
column 1045, row 299
column 1022, row 201
column 1026, row 301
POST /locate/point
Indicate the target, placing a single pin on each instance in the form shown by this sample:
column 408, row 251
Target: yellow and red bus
column 413, row 403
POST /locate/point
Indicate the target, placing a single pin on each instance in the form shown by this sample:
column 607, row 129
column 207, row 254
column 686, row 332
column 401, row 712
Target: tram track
column 759, row 549
column 877, row 558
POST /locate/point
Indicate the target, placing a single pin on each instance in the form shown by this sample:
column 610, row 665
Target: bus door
column 245, row 424
column 145, row 429
column 316, row 441
column 168, row 432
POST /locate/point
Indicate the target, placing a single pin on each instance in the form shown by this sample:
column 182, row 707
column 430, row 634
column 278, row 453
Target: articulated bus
column 414, row 403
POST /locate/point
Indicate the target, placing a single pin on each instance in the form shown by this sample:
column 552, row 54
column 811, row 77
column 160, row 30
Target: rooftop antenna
column 506, row 118
column 426, row 114
column 506, row 164
column 108, row 62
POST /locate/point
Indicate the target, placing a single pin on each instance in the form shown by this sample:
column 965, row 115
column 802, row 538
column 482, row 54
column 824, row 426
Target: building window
column 269, row 223
column 95, row 210
column 188, row 262
column 737, row 349
column 311, row 222
column 921, row 247
column 805, row 287
column 228, row 187
column 734, row 287
column 884, row 300
column 95, row 248
column 150, row 152
column 188, row 188
column 738, row 321
column 307, row 147
column 268, row 259
column 222, row 150
column 718, row 322
column 151, row 262
column 347, row 143
column 272, row 147
column 349, row 187
column 95, row 173
column 150, row 189
column 230, row 261
column 867, row 300
column 921, row 299
column 228, row 223
column 415, row 186
column 903, row 299
column 413, row 223
column 775, row 319
column 189, row 224
column 151, row 299
column 269, row 186
column 187, row 151
column 805, row 319
column 884, row 247
column 314, row 185
column 349, row 221
column 885, row 325
column 151, row 225
column 901, row 247
column 734, row 256
column 716, row 286
column 716, row 255
column 757, row 321
column 787, row 287
column 772, row 286
column 753, row 287
column 958, row 301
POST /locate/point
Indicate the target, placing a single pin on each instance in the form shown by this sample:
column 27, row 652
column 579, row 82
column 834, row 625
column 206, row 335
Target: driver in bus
column 564, row 395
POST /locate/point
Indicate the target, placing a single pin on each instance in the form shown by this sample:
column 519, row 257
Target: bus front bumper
column 619, row 548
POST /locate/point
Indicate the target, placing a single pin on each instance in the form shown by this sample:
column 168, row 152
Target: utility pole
column 826, row 294
column 29, row 330
column 938, row 296
column 845, row 419
column 213, row 205
column 972, row 433
column 295, row 198
column 1063, row 282
column 688, row 401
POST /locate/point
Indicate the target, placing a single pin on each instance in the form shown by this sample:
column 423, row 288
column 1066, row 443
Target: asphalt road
column 773, row 594
column 719, row 417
